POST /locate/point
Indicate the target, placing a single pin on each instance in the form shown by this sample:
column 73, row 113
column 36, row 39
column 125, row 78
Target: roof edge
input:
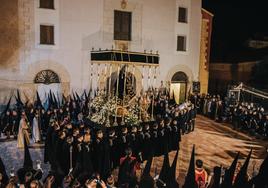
column 207, row 12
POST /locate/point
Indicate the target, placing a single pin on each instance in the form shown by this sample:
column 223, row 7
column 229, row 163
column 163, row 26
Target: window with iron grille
column 181, row 43
column 122, row 25
column 182, row 15
column 49, row 4
column 47, row 34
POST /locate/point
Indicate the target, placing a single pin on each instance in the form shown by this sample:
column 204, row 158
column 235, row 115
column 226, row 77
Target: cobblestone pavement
column 216, row 144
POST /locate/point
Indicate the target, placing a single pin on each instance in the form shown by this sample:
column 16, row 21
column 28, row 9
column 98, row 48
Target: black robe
column 122, row 144
column 87, row 166
column 58, row 163
column 176, row 137
column 114, row 157
column 183, row 122
column 147, row 149
column 132, row 143
column 140, row 143
column 161, row 142
column 7, row 123
column 127, row 174
column 168, row 139
column 15, row 123
column 101, row 158
column 78, row 166
column 213, row 109
column 48, row 145
column 46, row 120
column 65, row 158
column 155, row 143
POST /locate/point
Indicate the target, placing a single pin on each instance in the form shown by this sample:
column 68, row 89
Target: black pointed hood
column 77, row 97
column 50, row 100
column 147, row 169
column 71, row 104
column 229, row 174
column 3, row 172
column 7, row 105
column 216, row 177
column 165, row 170
column 173, row 168
column 56, row 104
column 85, row 96
column 86, row 100
column 77, row 101
column 19, row 102
column 190, row 177
column 241, row 178
column 38, row 101
column 261, row 179
column 28, row 163
column 89, row 93
column 63, row 100
column 58, row 100
column 74, row 98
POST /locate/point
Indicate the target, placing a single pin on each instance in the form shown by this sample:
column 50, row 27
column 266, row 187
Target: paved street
column 14, row 157
column 216, row 144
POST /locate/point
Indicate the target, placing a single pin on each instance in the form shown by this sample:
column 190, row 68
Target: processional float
column 118, row 69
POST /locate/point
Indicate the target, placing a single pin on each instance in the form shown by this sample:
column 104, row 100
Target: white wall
column 74, row 22
column 82, row 24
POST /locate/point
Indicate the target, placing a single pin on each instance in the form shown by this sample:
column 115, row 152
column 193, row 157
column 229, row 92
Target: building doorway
column 48, row 81
column 178, row 87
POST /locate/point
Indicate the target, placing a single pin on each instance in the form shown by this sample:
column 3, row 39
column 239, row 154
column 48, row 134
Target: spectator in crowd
column 201, row 175
column 244, row 116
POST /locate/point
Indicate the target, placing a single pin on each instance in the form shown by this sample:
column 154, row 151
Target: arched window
column 179, row 77
column 46, row 77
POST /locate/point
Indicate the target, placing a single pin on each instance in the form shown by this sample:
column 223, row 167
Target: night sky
column 234, row 22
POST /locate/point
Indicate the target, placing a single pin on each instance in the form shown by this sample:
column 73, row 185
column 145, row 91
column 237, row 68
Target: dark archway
column 178, row 86
column 179, row 77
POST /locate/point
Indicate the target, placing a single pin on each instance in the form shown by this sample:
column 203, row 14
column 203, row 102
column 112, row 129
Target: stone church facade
column 170, row 29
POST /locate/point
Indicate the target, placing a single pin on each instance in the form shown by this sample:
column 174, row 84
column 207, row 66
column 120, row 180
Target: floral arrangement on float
column 133, row 115
column 104, row 109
